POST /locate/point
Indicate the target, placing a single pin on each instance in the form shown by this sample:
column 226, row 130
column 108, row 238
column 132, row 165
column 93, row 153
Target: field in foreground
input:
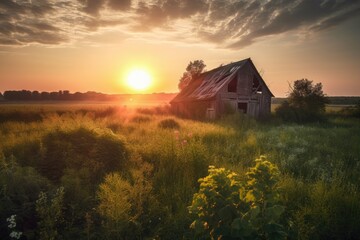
column 104, row 172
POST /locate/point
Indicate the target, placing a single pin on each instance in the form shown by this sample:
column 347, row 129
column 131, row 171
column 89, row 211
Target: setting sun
column 138, row 79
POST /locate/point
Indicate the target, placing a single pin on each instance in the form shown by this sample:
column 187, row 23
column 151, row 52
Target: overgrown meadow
column 107, row 172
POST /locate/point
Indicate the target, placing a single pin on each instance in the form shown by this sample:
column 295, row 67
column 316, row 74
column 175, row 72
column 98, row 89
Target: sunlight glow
column 138, row 79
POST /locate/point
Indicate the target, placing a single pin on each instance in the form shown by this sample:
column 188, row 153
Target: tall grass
column 319, row 163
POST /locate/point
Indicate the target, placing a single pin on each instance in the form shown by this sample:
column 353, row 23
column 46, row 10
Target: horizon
column 96, row 46
column 154, row 93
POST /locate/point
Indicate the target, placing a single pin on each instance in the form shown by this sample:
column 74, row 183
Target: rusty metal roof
column 209, row 83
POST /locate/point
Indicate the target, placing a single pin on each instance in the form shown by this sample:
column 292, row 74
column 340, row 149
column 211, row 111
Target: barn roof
column 207, row 84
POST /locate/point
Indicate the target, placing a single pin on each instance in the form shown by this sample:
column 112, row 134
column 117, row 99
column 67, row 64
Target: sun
column 138, row 79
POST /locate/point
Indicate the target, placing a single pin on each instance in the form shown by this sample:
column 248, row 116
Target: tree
column 306, row 102
column 193, row 70
column 308, row 96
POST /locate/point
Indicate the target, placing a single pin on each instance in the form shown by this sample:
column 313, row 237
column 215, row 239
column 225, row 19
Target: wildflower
column 12, row 224
column 176, row 134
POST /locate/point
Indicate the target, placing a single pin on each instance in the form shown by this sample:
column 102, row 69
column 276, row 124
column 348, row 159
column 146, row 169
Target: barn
column 234, row 87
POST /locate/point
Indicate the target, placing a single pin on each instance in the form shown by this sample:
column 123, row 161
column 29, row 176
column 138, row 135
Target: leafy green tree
column 308, row 96
column 228, row 208
column 306, row 102
column 193, row 70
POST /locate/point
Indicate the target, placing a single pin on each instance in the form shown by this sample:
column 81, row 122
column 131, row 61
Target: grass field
column 98, row 171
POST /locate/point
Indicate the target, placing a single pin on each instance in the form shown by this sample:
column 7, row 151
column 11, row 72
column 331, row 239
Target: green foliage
column 193, row 70
column 169, row 123
column 128, row 208
column 19, row 190
column 216, row 204
column 321, row 210
column 318, row 187
column 306, row 102
column 115, row 203
column 227, row 207
column 82, row 148
column 50, row 213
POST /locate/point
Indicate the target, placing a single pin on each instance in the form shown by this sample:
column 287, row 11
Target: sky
column 92, row 45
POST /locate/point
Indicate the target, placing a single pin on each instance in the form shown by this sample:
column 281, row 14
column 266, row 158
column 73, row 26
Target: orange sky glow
column 89, row 45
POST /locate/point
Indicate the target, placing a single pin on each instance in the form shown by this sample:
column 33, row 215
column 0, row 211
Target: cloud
column 230, row 24
column 24, row 22
column 119, row 4
column 253, row 21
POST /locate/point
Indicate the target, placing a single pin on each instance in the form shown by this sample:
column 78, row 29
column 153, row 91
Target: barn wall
column 257, row 105
column 244, row 78
column 196, row 110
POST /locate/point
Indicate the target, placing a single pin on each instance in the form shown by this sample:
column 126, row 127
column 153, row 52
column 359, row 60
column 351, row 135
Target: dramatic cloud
column 44, row 22
column 226, row 23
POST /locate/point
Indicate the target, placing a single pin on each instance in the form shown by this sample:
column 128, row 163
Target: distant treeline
column 65, row 95
column 331, row 100
column 26, row 95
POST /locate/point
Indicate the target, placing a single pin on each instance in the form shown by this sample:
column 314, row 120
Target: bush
column 82, row 148
column 50, row 213
column 169, row 124
column 115, row 203
column 19, row 190
column 306, row 103
column 127, row 206
column 227, row 208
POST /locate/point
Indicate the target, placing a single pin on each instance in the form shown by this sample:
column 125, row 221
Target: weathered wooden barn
column 237, row 86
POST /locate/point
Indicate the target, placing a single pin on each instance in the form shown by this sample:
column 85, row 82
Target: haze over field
column 90, row 45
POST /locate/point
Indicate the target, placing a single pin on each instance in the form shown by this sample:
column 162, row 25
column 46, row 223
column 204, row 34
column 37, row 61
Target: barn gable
column 237, row 86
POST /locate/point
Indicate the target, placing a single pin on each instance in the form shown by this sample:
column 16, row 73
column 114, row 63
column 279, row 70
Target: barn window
column 256, row 87
column 232, row 85
column 242, row 107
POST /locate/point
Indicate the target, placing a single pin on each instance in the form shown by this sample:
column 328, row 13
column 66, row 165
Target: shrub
column 99, row 152
column 226, row 207
column 115, row 203
column 19, row 190
column 306, row 102
column 169, row 124
column 127, row 206
column 50, row 213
